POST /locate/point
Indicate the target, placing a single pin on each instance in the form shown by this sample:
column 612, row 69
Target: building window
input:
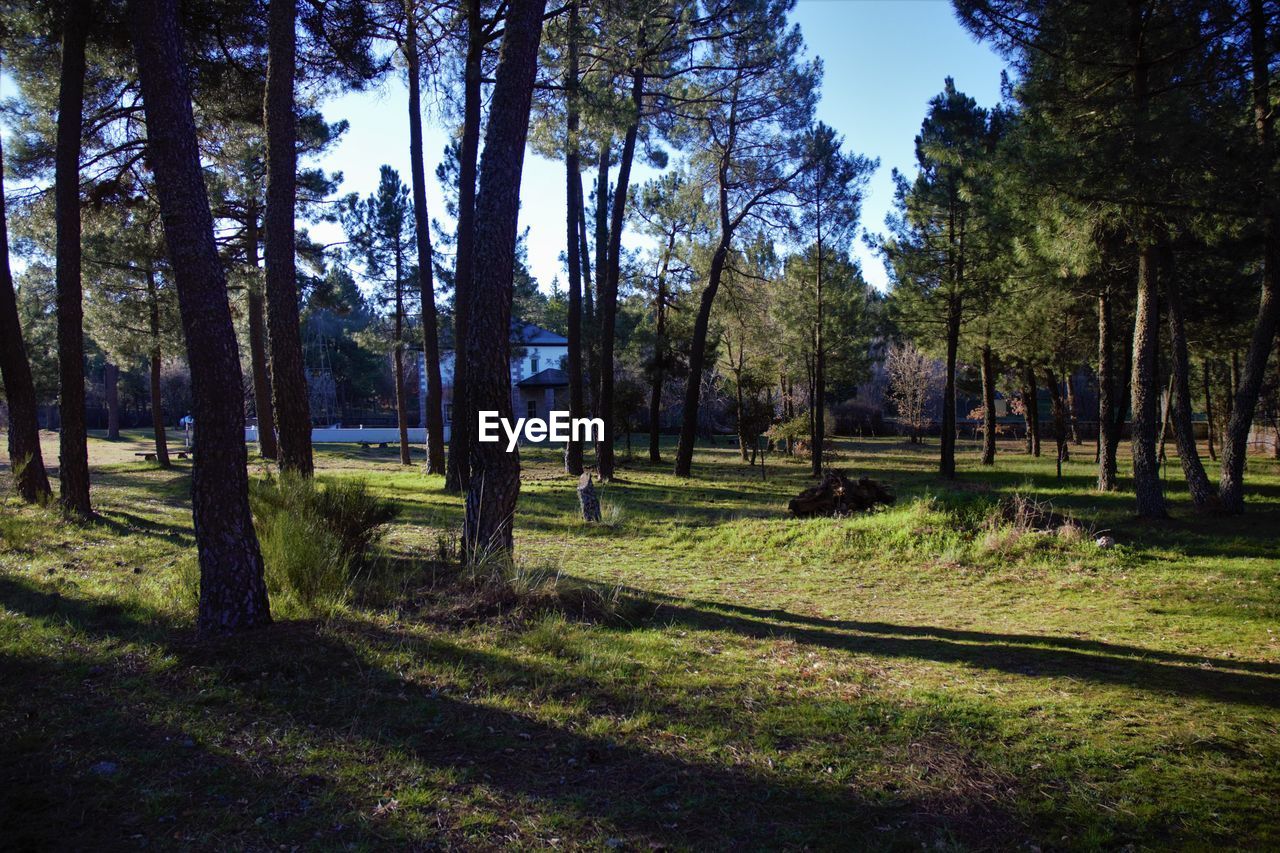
column 533, row 364
column 532, row 408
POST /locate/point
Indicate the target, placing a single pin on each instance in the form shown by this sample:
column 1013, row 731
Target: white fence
column 357, row 435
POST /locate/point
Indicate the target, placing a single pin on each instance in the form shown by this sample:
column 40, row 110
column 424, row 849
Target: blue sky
column 884, row 60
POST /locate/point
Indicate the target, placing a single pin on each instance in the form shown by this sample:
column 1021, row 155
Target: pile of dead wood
column 838, row 495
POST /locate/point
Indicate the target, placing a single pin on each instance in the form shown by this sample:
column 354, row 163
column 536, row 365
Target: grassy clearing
column 917, row 676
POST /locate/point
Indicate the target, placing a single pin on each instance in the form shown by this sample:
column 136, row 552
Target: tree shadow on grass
column 345, row 685
column 1229, row 681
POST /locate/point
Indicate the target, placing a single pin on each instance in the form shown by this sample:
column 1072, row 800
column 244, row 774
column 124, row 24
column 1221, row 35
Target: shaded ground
column 911, row 677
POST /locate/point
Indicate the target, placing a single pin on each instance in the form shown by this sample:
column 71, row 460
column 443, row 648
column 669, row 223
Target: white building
column 539, row 382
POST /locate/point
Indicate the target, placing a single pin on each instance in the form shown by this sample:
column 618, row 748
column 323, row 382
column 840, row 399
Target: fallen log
column 838, row 495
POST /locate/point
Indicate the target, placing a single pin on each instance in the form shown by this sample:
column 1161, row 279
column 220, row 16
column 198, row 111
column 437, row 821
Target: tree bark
column 258, row 359
column 26, row 460
column 819, row 366
column 73, row 440
column 111, row 391
column 1145, row 390
column 233, row 595
column 158, row 429
column 426, row 276
column 659, row 368
column 1033, row 411
column 491, row 501
column 988, row 406
column 573, row 209
column 697, row 360
column 947, row 462
column 1108, row 429
column 1203, row 496
column 458, row 472
column 602, row 274
column 1208, row 410
column 1070, row 399
column 1059, row 414
column 608, row 302
column 289, row 377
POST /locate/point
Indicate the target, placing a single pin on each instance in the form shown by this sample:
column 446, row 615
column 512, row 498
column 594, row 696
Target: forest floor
column 917, row 676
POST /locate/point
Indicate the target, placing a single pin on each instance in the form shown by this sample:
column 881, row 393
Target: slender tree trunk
column 1025, row 391
column 947, row 464
column 1235, row 444
column 1072, row 421
column 697, row 360
column 402, row 411
column 819, row 367
column 1033, row 411
column 1203, row 495
column 1108, row 429
column 289, row 376
column 158, row 430
column 73, row 443
column 25, row 458
column 426, row 276
column 588, row 290
column 608, row 303
column 1208, row 410
column 988, row 406
column 258, row 359
column 233, row 595
column 1059, row 414
column 491, row 501
column 111, row 391
column 602, row 275
column 573, row 175
column 1145, row 390
column 458, row 472
column 659, row 370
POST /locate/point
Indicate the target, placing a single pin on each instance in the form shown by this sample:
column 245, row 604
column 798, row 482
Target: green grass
column 910, row 677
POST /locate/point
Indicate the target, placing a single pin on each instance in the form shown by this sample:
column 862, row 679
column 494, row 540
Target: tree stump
column 587, row 498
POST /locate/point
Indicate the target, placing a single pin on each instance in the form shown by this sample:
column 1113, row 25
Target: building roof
column 527, row 333
column 552, row 377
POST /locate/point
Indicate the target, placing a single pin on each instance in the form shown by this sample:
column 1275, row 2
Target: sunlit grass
column 884, row 681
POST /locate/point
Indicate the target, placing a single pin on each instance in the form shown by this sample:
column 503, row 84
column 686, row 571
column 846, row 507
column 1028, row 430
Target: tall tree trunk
column 402, row 409
column 25, row 458
column 111, row 391
column 158, row 429
column 573, row 185
column 1145, row 390
column 697, row 360
column 233, row 595
column 1208, row 410
column 1059, row 414
column 1235, row 439
column 1033, row 411
column 988, row 406
column 588, row 290
column 1025, row 390
column 602, row 274
column 73, row 442
column 819, row 367
column 947, row 463
column 258, row 359
column 458, row 473
column 1108, row 429
column 608, row 303
column 491, row 501
column 426, row 276
column 288, row 373
column 659, row 369
column 1203, row 495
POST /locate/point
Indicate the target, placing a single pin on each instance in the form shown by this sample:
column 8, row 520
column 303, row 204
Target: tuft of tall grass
column 316, row 537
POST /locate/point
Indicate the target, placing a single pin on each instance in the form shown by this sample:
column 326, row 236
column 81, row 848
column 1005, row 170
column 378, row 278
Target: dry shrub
column 1015, row 517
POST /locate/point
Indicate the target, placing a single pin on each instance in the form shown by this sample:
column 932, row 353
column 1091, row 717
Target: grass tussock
column 317, row 538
